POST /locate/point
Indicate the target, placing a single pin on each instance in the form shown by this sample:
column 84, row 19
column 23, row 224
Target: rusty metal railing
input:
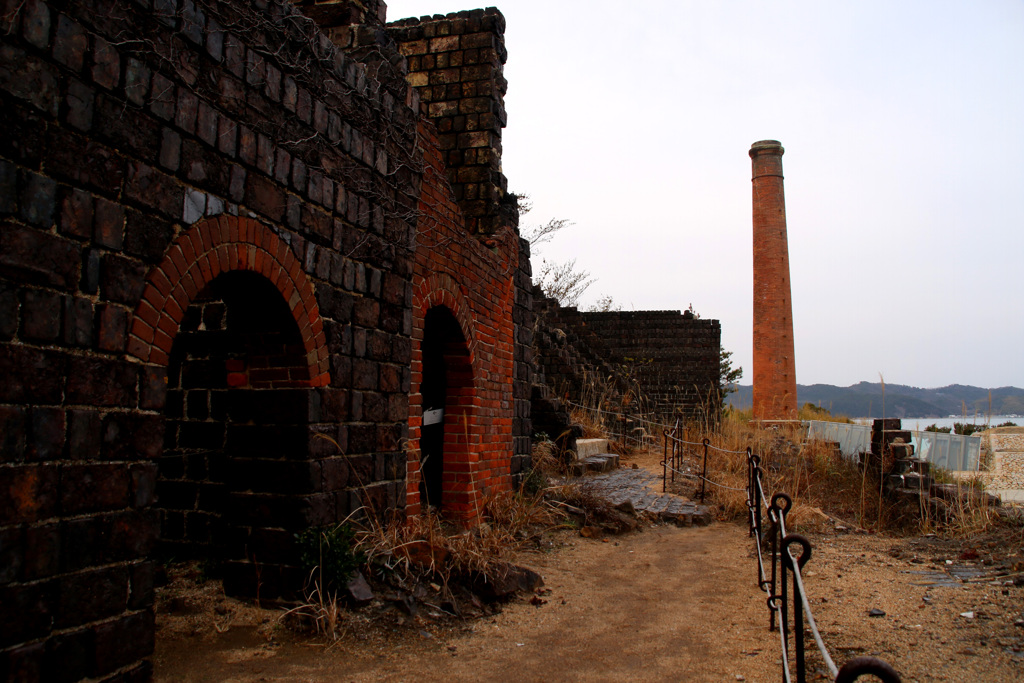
column 675, row 447
column 787, row 596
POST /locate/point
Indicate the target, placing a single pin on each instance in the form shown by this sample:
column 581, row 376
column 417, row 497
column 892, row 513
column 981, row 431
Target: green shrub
column 327, row 554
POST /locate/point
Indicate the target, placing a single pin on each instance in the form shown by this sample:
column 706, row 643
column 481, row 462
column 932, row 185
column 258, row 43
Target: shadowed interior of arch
column 446, row 391
column 236, row 420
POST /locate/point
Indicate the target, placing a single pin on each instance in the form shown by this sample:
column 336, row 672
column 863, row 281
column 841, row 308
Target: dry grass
column 429, row 545
column 825, row 487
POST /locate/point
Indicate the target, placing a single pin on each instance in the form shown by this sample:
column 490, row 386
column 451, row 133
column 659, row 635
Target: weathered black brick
column 91, row 266
column 41, row 315
column 205, row 168
column 109, row 224
column 29, row 79
column 69, row 656
column 127, row 128
column 31, row 375
column 154, row 189
column 24, row 663
column 13, row 433
column 147, row 236
column 76, row 215
column 102, row 382
column 91, row 595
column 35, row 25
column 162, row 98
column 94, row 487
column 32, row 493
column 113, row 328
column 32, row 605
column 188, row 108
column 106, row 69
column 78, row 321
column 38, row 203
column 130, row 436
column 170, row 150
column 70, row 43
column 80, row 105
column 46, row 433
column 142, row 582
column 122, row 279
column 136, row 81
column 84, row 161
column 84, row 434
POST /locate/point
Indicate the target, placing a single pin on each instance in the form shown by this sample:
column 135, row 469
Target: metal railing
column 787, row 596
column 789, row 610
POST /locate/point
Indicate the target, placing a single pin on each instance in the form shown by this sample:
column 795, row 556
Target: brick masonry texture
column 774, row 374
column 207, row 251
column 667, row 361
column 226, row 229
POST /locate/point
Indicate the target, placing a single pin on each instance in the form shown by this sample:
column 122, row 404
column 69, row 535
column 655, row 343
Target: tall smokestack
column 774, row 361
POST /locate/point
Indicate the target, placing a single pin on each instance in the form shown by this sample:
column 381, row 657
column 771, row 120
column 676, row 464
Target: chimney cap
column 766, row 147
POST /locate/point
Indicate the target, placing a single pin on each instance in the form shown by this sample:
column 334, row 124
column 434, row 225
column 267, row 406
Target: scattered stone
column 504, row 581
column 358, row 590
column 967, row 615
column 875, row 612
column 590, row 532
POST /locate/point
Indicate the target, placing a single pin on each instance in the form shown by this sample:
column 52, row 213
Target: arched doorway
column 447, row 400
column 233, row 320
column 235, row 419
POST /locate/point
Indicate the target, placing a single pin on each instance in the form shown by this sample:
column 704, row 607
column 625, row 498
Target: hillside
column 865, row 399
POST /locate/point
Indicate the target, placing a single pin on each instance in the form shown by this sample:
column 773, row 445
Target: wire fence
column 788, row 606
column 780, row 575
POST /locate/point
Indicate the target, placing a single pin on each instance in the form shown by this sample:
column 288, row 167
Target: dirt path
column 663, row 604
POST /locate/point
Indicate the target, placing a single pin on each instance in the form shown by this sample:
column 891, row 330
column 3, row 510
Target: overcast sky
column 903, row 124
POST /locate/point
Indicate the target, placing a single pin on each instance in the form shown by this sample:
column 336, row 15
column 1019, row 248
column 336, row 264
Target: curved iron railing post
column 704, row 472
column 862, row 666
column 777, row 515
column 784, row 562
column 664, row 462
column 798, row 598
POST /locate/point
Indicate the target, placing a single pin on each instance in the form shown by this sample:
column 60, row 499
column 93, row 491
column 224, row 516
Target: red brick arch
column 462, row 494
column 211, row 247
column 442, row 290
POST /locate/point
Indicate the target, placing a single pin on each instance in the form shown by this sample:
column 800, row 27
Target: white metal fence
column 953, row 452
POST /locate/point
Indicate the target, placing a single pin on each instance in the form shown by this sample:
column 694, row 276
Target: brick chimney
column 774, row 359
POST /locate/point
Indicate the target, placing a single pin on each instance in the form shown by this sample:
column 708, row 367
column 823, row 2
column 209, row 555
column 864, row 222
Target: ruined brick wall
column 455, row 62
column 666, row 362
column 570, row 358
column 475, row 283
column 672, row 357
column 470, row 262
column 159, row 158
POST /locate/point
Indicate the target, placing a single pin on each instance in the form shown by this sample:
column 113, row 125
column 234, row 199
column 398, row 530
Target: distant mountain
column 865, row 400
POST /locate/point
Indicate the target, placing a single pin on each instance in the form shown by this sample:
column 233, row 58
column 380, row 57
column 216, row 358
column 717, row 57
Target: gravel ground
column 661, row 604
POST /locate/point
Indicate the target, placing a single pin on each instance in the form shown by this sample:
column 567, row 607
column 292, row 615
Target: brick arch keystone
column 212, row 247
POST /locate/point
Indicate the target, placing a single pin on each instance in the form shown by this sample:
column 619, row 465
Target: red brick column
column 774, row 359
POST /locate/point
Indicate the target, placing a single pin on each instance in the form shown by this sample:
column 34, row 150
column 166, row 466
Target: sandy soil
column 661, row 604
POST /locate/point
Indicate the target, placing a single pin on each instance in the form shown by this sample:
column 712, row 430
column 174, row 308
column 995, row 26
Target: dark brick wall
column 659, row 362
column 673, row 357
column 149, row 149
column 456, row 63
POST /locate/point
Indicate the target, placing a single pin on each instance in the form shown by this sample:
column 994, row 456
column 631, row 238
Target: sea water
column 983, row 421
